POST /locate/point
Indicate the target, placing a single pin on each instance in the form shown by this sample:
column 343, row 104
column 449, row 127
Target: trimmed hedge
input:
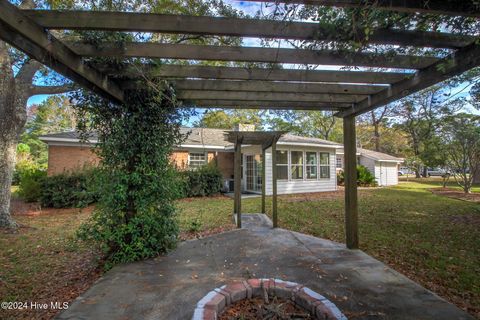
column 203, row 181
column 69, row 190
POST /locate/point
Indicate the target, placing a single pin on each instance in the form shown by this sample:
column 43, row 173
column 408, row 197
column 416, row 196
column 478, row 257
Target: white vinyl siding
column 305, row 185
column 388, row 173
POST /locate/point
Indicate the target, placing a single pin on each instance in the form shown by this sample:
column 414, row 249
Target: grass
column 432, row 239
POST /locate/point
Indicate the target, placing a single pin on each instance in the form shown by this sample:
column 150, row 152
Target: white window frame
column 205, row 161
column 297, row 165
column 337, row 164
column 320, row 165
column 284, row 165
column 317, row 157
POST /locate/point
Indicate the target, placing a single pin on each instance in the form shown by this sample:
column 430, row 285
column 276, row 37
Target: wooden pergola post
column 274, row 183
column 238, row 182
column 351, row 202
column 264, row 182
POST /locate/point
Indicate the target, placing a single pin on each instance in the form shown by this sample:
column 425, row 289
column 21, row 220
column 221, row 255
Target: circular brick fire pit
column 216, row 301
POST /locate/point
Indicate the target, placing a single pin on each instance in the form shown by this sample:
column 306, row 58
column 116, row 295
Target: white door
column 253, row 173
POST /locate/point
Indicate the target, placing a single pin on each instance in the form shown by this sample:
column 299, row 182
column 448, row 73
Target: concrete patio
column 169, row 287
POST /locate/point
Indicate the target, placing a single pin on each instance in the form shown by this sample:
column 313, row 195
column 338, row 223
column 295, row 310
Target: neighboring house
column 303, row 164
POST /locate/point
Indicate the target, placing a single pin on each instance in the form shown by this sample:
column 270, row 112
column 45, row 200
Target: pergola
column 265, row 140
column 350, row 93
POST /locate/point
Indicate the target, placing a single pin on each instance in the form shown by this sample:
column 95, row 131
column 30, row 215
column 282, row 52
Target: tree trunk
column 376, row 136
column 13, row 100
column 7, row 163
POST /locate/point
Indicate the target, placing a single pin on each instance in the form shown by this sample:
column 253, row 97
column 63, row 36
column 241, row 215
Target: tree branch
column 27, row 71
column 34, row 90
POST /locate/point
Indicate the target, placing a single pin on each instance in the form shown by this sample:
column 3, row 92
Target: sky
column 251, row 8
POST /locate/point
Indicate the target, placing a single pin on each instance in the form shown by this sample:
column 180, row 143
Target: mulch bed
column 457, row 194
column 258, row 308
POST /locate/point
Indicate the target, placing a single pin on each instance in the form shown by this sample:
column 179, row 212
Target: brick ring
column 214, row 303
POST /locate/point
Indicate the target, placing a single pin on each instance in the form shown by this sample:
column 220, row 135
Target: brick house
column 303, row 164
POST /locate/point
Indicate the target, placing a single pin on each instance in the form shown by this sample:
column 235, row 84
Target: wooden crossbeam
column 249, row 54
column 27, row 36
column 466, row 8
column 265, row 86
column 259, row 104
column 455, row 64
column 237, row 73
column 267, row 96
column 203, row 25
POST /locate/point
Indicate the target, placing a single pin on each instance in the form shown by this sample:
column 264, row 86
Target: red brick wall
column 62, row 159
column 224, row 161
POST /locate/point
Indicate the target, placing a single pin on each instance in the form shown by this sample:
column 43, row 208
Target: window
column 339, row 163
column 296, row 165
column 311, row 166
column 282, row 164
column 196, row 159
column 324, row 165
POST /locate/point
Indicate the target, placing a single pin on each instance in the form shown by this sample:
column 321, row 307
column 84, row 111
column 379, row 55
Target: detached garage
column 383, row 166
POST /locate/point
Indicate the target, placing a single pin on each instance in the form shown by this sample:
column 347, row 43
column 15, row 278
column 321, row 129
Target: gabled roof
column 293, row 139
column 379, row 156
column 205, row 137
column 216, row 138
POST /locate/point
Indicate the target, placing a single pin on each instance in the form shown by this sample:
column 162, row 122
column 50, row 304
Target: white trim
column 377, row 159
column 65, row 140
column 197, row 146
column 307, row 144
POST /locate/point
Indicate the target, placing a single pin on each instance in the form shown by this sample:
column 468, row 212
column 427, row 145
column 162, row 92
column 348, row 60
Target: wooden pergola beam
column 238, row 73
column 351, row 196
column 248, row 54
column 455, row 64
column 27, row 36
column 267, row 96
column 265, row 86
column 259, row 104
column 222, row 26
column 452, row 8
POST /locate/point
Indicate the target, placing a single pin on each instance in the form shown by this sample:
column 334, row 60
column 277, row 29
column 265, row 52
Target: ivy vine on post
column 135, row 216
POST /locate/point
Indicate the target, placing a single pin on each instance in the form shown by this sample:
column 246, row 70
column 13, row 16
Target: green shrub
column 69, row 190
column 30, row 186
column 204, row 181
column 143, row 236
column 364, row 177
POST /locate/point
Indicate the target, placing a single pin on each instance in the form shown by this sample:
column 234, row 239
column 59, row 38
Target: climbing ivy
column 135, row 216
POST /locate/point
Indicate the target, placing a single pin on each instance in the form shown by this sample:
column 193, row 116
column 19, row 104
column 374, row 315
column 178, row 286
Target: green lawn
column 432, row 239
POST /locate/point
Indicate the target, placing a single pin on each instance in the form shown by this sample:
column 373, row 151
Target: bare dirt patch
column 457, row 194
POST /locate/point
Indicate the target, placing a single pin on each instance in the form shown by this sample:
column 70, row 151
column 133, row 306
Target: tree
column 53, row 115
column 227, row 119
column 376, row 118
column 318, row 124
column 419, row 116
column 18, row 81
column 461, row 145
